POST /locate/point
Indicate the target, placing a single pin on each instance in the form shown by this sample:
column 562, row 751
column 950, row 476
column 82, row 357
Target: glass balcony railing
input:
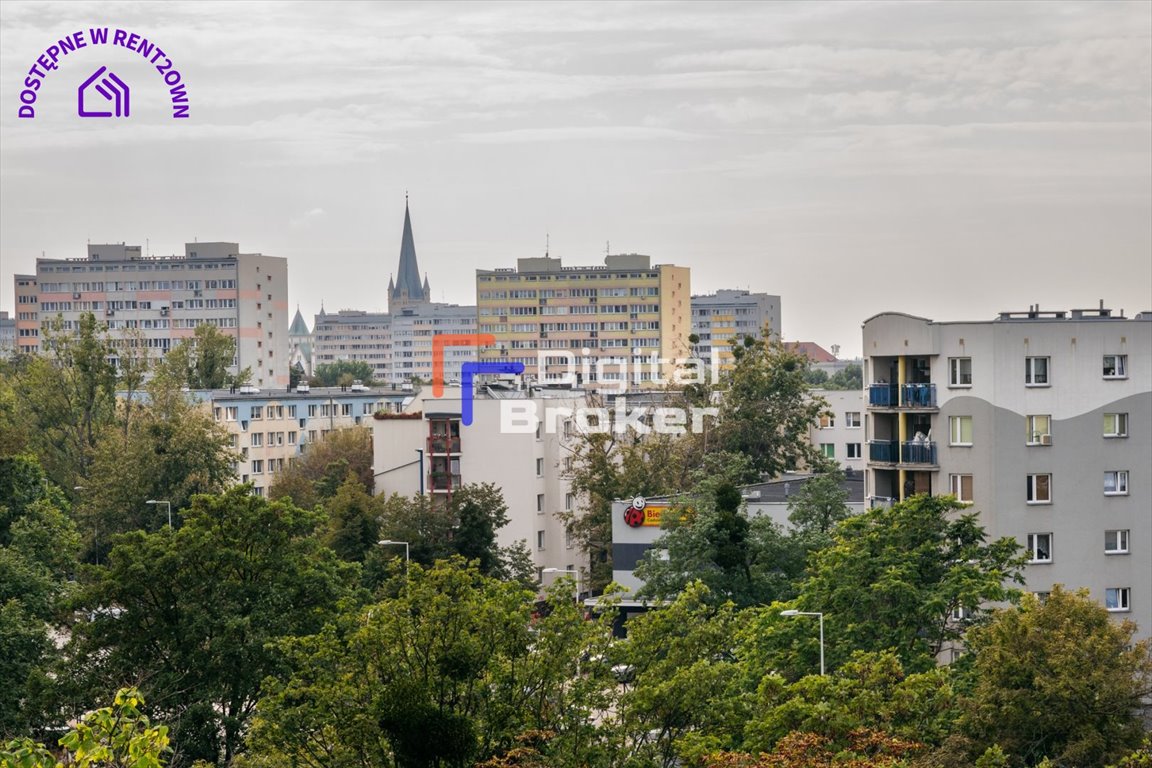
column 902, row 395
column 884, row 451
column 918, row 452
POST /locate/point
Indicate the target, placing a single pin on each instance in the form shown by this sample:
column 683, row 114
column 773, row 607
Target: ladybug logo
column 634, row 515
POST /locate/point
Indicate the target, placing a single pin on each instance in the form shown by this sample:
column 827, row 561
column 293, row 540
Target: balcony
column 442, row 481
column 443, row 445
column 902, row 396
column 896, row 452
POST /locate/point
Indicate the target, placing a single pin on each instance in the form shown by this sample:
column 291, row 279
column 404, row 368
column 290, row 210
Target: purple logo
column 112, row 88
column 103, row 94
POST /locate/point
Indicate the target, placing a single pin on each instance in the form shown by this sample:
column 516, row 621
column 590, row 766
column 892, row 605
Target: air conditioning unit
column 1045, row 439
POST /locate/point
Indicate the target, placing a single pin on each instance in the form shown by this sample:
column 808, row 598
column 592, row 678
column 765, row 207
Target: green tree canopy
column 325, row 465
column 202, row 362
column 330, row 374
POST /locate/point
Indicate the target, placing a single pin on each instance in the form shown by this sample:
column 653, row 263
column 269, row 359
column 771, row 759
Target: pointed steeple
column 427, row 289
column 299, row 327
column 407, row 288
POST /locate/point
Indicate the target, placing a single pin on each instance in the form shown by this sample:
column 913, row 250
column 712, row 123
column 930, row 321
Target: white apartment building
column 1042, row 421
column 429, row 449
column 720, row 316
column 839, row 434
column 355, row 336
column 270, row 429
column 164, row 299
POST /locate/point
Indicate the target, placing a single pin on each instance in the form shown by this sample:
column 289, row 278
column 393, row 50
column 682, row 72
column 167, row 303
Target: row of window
column 1037, row 428
column 1039, row 545
column 1038, row 487
column 852, row 450
column 851, row 420
column 1037, row 370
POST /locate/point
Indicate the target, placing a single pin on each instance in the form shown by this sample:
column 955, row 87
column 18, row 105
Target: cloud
column 307, row 218
column 577, row 133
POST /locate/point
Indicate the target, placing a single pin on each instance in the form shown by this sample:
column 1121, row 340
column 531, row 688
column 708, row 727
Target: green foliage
column 819, row 505
column 120, row 736
column 342, row 373
column 766, row 410
column 202, row 362
column 315, row 477
column 195, row 613
column 850, row 377
column 353, row 522
column 1058, row 679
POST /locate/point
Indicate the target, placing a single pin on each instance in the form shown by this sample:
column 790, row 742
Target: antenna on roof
column 547, row 244
column 607, row 247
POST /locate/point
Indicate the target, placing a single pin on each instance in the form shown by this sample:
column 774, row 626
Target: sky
column 946, row 159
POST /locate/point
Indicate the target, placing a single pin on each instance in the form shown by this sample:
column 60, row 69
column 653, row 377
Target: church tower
column 407, row 289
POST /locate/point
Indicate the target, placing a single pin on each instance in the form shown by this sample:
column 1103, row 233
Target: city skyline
column 845, row 157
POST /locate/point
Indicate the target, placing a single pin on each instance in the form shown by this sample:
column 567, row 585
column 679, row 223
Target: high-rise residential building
column 1042, row 421
column 719, row 317
column 623, row 323
column 398, row 343
column 162, row 299
column 27, row 314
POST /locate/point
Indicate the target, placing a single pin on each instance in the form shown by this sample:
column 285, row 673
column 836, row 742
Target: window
column 960, row 430
column 257, row 412
column 540, row 540
column 1036, row 371
column 1116, row 483
column 230, row 413
column 1117, row 598
column 853, row 450
column 257, row 439
column 1039, row 489
column 291, row 438
column 539, row 502
column 852, row 419
column 828, row 450
column 1039, row 547
column 1115, row 366
column 257, row 466
column 959, row 371
column 827, row 421
column 1116, row 542
column 960, row 486
column 568, row 541
column 1038, row 430
column 539, row 467
column 1115, row 425
column 569, row 501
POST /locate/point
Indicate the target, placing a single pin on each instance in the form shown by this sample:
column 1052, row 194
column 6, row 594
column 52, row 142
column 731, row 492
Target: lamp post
column 793, row 612
column 575, row 573
column 387, row 542
column 167, row 505
column 421, row 460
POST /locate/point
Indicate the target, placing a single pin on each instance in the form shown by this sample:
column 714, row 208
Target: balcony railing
column 883, row 451
column 914, row 452
column 895, row 452
column 443, row 445
column 902, row 395
column 443, row 482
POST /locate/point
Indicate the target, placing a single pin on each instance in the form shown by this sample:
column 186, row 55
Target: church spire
column 407, row 288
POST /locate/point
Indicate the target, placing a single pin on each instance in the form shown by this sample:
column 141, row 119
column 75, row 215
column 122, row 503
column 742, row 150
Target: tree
column 353, row 522
column 819, row 505
column 120, row 736
column 748, row 560
column 850, row 376
column 330, row 374
column 480, row 513
column 895, row 578
column 318, row 474
column 866, row 749
column 194, row 614
column 202, row 362
column 766, row 410
column 446, row 672
column 1058, row 679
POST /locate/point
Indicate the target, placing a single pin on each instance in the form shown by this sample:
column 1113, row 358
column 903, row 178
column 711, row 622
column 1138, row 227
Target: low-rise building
column 839, row 432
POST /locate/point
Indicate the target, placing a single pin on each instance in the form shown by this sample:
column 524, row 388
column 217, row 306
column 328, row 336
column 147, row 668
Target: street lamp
column 793, row 612
column 575, row 573
column 387, row 542
column 167, row 505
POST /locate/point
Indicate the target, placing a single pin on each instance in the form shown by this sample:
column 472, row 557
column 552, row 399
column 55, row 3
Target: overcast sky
column 949, row 159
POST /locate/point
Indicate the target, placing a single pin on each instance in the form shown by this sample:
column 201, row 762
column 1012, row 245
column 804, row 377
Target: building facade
column 27, row 314
column 7, row 335
column 270, row 430
column 1042, row 421
column 355, row 336
column 839, row 433
column 162, row 299
column 719, row 317
column 428, row 449
column 626, row 322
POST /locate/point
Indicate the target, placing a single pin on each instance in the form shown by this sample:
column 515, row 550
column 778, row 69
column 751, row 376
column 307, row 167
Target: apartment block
column 719, row 317
column 839, row 433
column 269, row 430
column 626, row 322
column 428, row 449
column 355, row 336
column 27, row 314
column 162, row 299
column 1041, row 421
